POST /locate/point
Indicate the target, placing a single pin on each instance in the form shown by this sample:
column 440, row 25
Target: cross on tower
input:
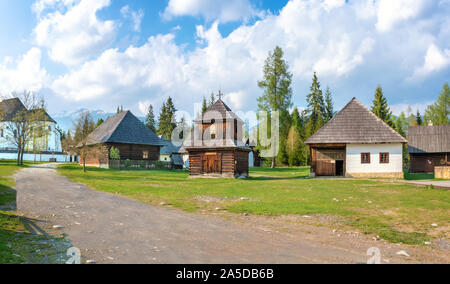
column 220, row 95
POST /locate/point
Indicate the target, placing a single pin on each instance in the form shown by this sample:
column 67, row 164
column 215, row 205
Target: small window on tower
column 213, row 131
column 1, row 132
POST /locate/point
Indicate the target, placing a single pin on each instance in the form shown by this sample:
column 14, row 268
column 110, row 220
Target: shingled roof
column 355, row 124
column 429, row 139
column 169, row 148
column 124, row 128
column 221, row 108
column 10, row 108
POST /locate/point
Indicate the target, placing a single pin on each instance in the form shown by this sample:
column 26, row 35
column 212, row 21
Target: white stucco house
column 356, row 143
column 44, row 147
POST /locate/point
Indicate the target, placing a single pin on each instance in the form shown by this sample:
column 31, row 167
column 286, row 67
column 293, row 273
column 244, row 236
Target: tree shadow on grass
column 264, row 178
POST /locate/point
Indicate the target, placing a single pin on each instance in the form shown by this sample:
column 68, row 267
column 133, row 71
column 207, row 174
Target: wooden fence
column 442, row 172
column 139, row 165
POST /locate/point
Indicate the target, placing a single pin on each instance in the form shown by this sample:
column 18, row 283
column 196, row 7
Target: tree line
column 297, row 126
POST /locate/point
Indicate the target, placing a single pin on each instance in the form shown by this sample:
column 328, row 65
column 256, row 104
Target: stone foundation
column 375, row 175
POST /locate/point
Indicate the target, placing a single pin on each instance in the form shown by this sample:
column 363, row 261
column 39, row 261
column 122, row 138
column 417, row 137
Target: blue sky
column 99, row 54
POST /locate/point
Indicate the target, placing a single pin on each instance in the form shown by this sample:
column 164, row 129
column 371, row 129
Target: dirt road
column 113, row 229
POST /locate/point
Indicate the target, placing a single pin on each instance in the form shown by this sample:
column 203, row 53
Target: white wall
column 39, row 158
column 354, row 158
column 165, row 158
column 52, row 142
column 186, row 160
column 251, row 160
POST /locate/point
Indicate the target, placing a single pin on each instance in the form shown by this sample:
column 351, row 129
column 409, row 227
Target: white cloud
column 347, row 50
column 75, row 34
column 397, row 109
column 221, row 10
column 122, row 74
column 332, row 4
column 136, row 17
column 392, row 12
column 435, row 60
column 26, row 75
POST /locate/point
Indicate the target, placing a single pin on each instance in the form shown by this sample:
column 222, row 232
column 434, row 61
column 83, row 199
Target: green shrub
column 114, row 154
column 127, row 163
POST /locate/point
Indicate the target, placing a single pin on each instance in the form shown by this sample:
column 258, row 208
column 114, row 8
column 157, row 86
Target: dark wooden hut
column 429, row 147
column 127, row 133
column 215, row 147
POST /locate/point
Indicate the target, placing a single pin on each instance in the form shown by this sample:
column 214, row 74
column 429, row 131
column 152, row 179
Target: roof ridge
column 355, row 110
column 333, row 118
column 382, row 121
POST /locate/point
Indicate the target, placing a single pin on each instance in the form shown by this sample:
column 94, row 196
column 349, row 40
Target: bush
column 114, row 154
column 127, row 163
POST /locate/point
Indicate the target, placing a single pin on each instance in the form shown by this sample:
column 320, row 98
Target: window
column 365, row 158
column 384, row 158
column 1, row 132
column 145, row 155
column 213, row 131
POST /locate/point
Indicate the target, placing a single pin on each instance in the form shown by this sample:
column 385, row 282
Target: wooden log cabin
column 127, row 133
column 215, row 147
column 429, row 147
column 356, row 143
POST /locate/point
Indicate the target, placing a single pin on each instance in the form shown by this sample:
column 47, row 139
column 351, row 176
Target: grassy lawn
column 395, row 212
column 17, row 245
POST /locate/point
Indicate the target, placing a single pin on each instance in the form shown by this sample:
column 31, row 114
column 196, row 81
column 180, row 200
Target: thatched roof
column 429, row 139
column 355, row 124
column 124, row 128
column 217, row 111
column 10, row 108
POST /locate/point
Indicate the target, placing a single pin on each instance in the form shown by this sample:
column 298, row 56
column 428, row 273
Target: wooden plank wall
column 135, row 152
column 242, row 163
column 418, row 162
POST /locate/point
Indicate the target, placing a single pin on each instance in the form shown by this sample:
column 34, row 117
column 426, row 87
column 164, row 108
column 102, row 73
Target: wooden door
column 429, row 165
column 326, row 168
column 212, row 163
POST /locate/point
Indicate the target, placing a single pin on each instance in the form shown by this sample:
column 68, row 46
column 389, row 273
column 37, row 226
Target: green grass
column 396, row 212
column 17, row 245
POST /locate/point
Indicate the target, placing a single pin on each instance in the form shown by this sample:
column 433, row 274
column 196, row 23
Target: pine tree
column 150, row 122
column 296, row 120
column 162, row 120
column 329, row 105
column 316, row 108
column 212, row 100
column 439, row 112
column 204, row 105
column 401, row 124
column 167, row 119
column 380, row 107
column 277, row 94
column 419, row 120
column 99, row 122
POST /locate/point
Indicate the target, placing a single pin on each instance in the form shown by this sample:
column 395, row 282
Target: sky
column 99, row 54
